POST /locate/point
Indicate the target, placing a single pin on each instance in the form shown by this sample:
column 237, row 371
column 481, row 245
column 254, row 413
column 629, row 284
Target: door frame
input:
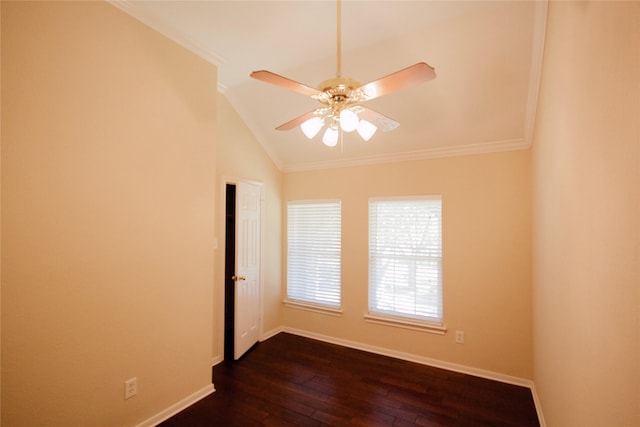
column 219, row 293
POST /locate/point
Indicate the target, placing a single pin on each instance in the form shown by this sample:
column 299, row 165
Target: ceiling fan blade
column 297, row 121
column 283, row 82
column 381, row 121
column 413, row 75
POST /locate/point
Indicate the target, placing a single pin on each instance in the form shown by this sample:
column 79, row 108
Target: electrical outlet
column 460, row 337
column 130, row 387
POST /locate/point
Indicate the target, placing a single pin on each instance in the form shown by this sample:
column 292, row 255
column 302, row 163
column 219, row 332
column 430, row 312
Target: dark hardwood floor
column 294, row 381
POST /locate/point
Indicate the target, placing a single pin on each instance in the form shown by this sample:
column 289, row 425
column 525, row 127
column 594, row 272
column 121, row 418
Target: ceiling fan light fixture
column 366, row 129
column 348, row 120
column 330, row 138
column 311, row 127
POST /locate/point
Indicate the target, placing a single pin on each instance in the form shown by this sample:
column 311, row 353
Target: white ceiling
column 487, row 57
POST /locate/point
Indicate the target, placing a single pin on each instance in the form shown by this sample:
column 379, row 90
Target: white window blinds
column 313, row 252
column 405, row 257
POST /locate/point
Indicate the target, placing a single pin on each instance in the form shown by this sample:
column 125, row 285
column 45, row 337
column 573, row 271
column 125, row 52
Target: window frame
column 434, row 324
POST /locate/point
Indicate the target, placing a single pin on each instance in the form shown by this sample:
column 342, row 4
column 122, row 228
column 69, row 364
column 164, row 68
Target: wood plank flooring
column 294, row 381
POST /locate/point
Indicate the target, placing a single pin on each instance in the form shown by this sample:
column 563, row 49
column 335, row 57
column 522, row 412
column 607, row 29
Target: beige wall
column 587, row 217
column 112, row 179
column 108, row 189
column 240, row 156
column 486, row 256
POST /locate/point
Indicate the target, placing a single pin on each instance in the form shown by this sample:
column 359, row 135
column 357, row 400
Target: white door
column 247, row 277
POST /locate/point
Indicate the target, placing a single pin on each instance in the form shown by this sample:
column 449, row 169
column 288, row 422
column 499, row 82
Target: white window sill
column 415, row 325
column 323, row 309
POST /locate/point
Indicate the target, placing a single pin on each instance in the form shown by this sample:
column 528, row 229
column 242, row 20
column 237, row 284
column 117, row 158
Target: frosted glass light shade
column 330, row 138
column 348, row 120
column 366, row 129
column 311, row 127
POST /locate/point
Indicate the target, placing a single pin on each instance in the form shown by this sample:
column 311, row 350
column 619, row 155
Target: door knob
column 236, row 278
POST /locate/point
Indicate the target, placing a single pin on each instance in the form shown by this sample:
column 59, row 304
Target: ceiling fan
column 341, row 98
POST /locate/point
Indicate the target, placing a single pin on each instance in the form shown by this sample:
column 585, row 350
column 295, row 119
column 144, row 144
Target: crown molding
column 221, row 87
column 431, row 153
column 130, row 8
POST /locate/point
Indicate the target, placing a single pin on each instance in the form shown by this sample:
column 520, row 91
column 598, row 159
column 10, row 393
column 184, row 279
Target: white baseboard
column 271, row 333
column 536, row 401
column 219, row 359
column 414, row 358
column 508, row 379
column 177, row 407
column 490, row 375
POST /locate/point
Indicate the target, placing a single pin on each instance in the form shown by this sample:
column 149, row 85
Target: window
column 313, row 252
column 405, row 258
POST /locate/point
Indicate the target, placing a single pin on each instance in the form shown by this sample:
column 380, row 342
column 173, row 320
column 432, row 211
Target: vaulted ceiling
column 487, row 57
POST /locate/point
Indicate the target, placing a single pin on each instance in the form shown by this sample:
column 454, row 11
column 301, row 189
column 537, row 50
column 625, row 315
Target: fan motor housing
column 338, row 84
